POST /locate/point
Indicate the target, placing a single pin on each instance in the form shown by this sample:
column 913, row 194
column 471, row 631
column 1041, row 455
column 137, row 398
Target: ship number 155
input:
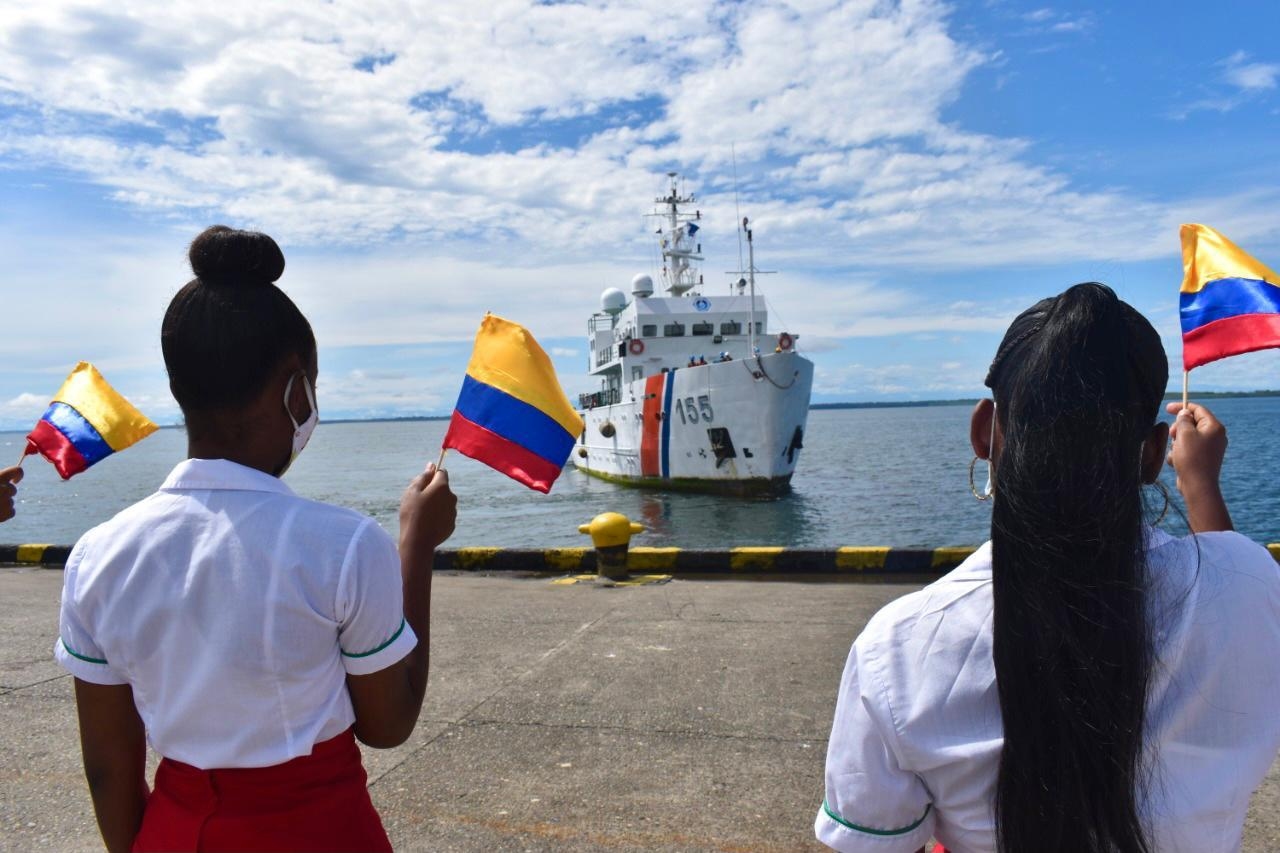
column 691, row 414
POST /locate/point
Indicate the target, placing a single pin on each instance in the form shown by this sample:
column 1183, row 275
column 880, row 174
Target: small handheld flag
column 1230, row 302
column 512, row 414
column 87, row 421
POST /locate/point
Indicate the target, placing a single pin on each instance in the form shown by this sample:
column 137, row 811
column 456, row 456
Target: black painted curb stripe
column 734, row 561
column 35, row 555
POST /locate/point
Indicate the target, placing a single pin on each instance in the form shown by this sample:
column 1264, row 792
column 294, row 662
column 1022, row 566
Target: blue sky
column 918, row 172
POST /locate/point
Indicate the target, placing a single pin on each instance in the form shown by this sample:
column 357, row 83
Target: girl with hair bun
column 1084, row 683
column 250, row 635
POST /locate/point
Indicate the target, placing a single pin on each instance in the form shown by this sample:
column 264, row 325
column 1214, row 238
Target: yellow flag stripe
column 114, row 417
column 507, row 357
column 1207, row 256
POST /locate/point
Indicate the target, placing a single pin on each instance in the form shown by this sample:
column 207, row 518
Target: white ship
column 696, row 390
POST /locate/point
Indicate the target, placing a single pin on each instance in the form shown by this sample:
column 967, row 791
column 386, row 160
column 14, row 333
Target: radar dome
column 642, row 285
column 612, row 300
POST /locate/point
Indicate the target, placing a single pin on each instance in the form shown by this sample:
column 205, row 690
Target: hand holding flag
column 512, row 414
column 87, row 421
column 9, row 478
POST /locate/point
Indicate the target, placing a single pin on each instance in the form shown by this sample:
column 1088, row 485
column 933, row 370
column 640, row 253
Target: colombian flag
column 1230, row 302
column 87, row 421
column 512, row 414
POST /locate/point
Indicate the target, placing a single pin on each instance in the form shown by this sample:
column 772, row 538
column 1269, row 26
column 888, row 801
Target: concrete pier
column 686, row 716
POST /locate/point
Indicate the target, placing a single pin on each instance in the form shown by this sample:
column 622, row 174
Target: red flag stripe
column 501, row 454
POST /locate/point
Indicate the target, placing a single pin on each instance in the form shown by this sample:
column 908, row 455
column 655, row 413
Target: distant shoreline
column 875, row 404
column 969, row 401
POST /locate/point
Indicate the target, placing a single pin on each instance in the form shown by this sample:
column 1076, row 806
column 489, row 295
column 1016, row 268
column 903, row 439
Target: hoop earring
column 1164, row 510
column 973, row 488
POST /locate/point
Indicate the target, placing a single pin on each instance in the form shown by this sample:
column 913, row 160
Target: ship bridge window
column 637, row 373
column 733, row 327
column 759, row 328
column 704, row 328
column 673, row 330
column 649, row 331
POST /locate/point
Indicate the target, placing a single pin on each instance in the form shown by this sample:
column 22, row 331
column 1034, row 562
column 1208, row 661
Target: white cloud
column 1250, row 76
column 264, row 115
column 1241, row 81
column 949, row 380
column 26, row 400
column 422, row 163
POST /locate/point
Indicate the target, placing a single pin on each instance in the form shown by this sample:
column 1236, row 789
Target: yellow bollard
column 611, row 534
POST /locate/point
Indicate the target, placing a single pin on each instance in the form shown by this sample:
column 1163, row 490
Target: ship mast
column 750, row 280
column 679, row 247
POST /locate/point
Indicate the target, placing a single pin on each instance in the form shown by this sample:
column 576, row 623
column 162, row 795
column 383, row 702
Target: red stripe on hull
column 1230, row 336
column 49, row 442
column 651, row 426
column 500, row 454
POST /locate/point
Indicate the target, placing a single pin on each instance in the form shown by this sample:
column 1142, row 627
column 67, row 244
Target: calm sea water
column 866, row 477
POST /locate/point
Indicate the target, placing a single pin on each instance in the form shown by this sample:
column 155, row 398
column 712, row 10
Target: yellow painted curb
column 860, row 558
column 950, row 556
column 31, row 553
column 564, row 559
column 472, row 558
column 634, row 580
column 652, row 559
column 753, row 558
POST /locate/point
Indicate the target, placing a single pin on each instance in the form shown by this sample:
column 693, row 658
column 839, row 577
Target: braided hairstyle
column 1078, row 382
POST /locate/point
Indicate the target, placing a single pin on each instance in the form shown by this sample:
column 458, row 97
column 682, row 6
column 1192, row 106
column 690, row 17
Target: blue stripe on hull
column 668, row 387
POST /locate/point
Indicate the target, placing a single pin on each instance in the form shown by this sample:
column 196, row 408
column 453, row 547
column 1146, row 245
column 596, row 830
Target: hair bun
column 226, row 256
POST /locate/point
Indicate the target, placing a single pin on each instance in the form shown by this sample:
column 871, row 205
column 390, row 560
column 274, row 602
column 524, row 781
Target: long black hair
column 1078, row 382
column 228, row 329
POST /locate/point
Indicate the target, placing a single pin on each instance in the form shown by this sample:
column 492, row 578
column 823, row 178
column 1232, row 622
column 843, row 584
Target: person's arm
column 1199, row 444
column 387, row 702
column 9, row 479
column 113, row 741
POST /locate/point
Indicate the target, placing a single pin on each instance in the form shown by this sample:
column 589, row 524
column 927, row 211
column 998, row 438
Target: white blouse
column 235, row 610
column 916, row 740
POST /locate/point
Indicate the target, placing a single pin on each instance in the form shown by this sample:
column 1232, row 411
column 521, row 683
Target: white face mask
column 301, row 431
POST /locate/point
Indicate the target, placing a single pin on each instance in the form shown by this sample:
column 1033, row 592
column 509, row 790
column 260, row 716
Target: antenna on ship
column 737, row 208
column 750, row 272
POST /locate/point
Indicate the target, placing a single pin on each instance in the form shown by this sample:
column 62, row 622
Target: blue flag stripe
column 92, row 446
column 1228, row 297
column 514, row 420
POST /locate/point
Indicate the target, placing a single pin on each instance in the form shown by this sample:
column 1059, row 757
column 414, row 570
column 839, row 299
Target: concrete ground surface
column 687, row 716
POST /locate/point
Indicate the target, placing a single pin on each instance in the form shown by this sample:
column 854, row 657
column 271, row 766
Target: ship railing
column 606, row 397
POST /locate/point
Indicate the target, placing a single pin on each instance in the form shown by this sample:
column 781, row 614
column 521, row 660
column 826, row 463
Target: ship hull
column 732, row 427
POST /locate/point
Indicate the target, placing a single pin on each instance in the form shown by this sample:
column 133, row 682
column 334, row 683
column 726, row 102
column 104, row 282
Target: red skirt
column 315, row 802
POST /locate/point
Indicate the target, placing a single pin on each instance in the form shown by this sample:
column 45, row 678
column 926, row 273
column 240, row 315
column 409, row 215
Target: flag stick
column 1185, row 375
column 440, row 461
column 26, row 451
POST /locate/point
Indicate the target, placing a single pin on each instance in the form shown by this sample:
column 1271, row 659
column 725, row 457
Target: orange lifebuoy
column 636, row 346
column 784, row 342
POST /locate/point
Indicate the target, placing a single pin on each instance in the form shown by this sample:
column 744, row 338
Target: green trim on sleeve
column 903, row 831
column 347, row 654
column 79, row 656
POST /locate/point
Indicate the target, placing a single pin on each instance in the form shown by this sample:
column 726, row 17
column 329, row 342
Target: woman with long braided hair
column 1084, row 683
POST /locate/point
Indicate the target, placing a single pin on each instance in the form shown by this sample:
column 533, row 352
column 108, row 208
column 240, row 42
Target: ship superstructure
column 696, row 390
